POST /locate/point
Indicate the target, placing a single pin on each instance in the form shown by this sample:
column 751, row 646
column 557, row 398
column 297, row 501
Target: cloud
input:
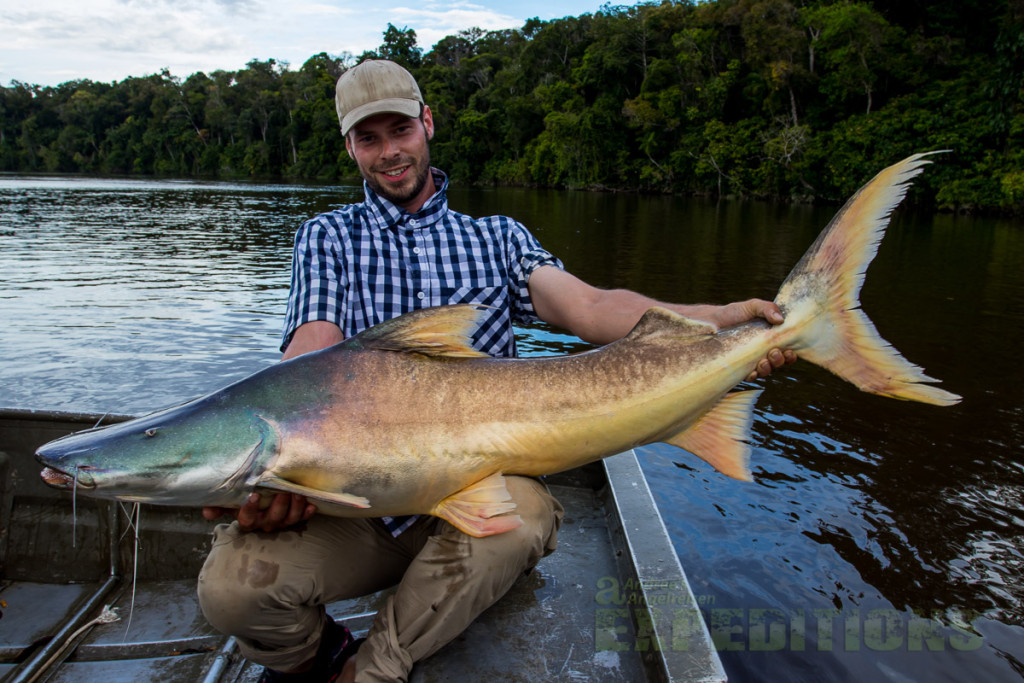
column 229, row 5
column 123, row 27
column 168, row 34
column 454, row 18
column 319, row 8
column 109, row 40
column 48, row 42
column 434, row 21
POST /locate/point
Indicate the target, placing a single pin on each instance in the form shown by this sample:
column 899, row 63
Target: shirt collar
column 386, row 214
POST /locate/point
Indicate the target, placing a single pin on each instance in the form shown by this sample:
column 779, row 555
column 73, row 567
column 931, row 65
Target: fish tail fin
column 480, row 509
column 821, row 295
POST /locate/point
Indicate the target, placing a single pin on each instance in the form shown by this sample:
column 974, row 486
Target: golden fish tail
column 821, row 295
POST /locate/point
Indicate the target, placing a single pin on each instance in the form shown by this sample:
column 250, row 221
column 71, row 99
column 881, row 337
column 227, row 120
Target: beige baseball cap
column 375, row 87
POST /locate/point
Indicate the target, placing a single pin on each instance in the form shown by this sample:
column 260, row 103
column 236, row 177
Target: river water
column 880, row 540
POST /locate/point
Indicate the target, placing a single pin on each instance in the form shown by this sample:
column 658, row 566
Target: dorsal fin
column 660, row 321
column 441, row 331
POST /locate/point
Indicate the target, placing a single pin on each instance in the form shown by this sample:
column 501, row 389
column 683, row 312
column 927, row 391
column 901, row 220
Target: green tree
column 399, row 46
column 775, row 46
column 313, row 122
column 854, row 43
column 784, row 98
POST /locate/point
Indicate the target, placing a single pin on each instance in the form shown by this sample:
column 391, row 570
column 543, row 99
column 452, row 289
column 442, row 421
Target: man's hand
column 742, row 311
column 739, row 312
column 287, row 509
column 776, row 358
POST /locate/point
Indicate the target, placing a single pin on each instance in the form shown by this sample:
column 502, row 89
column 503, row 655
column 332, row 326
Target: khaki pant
column 269, row 589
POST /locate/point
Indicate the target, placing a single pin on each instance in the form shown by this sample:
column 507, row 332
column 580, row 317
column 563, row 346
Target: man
column 270, row 573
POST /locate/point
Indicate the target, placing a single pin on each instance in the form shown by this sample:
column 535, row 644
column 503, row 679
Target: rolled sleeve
column 525, row 256
column 317, row 281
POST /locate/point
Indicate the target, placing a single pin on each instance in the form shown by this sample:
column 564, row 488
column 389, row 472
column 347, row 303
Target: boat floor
column 546, row 628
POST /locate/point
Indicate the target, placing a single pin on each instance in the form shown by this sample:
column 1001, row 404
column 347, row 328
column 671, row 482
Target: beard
column 419, row 174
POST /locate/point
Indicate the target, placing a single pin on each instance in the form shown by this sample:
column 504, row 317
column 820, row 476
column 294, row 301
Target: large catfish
column 407, row 418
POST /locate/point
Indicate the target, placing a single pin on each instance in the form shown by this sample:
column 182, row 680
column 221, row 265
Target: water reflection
column 126, row 295
column 880, row 540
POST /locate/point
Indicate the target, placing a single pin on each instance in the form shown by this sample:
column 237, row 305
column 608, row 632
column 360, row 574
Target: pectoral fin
column 314, row 495
column 718, row 437
column 480, row 509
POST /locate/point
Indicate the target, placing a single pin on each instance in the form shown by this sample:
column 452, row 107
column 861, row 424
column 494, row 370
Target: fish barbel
column 406, row 417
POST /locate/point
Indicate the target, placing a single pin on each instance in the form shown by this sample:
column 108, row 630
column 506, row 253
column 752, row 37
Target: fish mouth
column 62, row 480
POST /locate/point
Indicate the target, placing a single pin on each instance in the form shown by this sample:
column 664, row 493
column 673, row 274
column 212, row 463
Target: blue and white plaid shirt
column 365, row 263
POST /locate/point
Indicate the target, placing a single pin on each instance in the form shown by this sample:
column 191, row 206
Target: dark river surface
column 880, row 540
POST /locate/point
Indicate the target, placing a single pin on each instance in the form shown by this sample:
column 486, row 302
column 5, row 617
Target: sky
column 48, row 42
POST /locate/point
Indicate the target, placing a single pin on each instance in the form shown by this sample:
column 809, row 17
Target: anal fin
column 480, row 509
column 718, row 437
column 314, row 495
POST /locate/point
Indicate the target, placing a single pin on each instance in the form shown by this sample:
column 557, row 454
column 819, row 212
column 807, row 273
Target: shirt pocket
column 487, row 292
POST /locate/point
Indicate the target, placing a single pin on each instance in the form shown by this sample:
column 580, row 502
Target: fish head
column 194, row 454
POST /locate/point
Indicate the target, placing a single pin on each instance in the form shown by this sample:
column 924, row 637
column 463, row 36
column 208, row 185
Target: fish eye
column 151, row 431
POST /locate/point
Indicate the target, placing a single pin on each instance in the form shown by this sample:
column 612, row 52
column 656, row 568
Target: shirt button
column 415, row 250
column 414, row 222
column 421, row 295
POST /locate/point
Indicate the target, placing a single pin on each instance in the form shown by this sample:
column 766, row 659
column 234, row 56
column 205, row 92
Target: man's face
column 392, row 155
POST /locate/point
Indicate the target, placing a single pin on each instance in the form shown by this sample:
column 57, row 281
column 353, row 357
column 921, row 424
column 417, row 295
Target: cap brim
column 396, row 105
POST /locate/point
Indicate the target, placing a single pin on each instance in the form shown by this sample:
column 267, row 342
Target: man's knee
column 236, row 583
column 225, row 600
column 541, row 514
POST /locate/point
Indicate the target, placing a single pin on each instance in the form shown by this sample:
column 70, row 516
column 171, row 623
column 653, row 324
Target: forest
column 797, row 100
